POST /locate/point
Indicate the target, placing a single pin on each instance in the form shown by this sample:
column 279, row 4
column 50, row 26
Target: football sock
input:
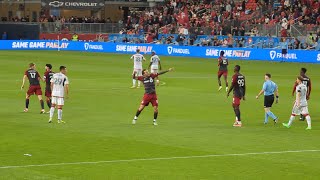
column 266, row 116
column 219, row 82
column 155, row 115
column 308, row 118
column 227, row 85
column 237, row 112
column 291, row 120
column 42, row 104
column 137, row 114
column 59, row 114
column 271, row 115
column 49, row 103
column 134, row 82
column 51, row 112
column 27, row 103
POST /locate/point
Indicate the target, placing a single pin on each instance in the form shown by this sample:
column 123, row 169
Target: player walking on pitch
column 306, row 81
column 47, row 79
column 269, row 89
column 60, row 90
column 301, row 105
column 223, row 70
column 137, row 69
column 239, row 91
column 150, row 95
column 34, row 88
column 155, row 65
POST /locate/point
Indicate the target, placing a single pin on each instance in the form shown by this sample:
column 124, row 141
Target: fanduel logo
column 88, row 46
column 172, row 50
column 273, row 54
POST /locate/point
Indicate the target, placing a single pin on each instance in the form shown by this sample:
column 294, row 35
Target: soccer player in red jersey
column 34, row 88
column 223, row 70
column 47, row 78
column 150, row 95
column 306, row 81
column 239, row 91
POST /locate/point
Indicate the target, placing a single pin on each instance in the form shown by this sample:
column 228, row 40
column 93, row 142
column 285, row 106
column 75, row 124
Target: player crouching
column 150, row 95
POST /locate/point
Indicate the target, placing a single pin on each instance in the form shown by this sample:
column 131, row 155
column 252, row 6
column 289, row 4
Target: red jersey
column 47, row 77
column 148, row 82
column 239, row 85
column 33, row 77
column 223, row 63
column 306, row 81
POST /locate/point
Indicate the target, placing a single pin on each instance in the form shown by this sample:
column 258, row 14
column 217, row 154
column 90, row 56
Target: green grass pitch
column 194, row 120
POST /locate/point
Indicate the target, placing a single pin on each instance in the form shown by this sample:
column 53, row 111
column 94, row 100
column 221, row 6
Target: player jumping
column 137, row 69
column 60, row 90
column 223, row 70
column 34, row 88
column 150, row 95
column 239, row 91
column 306, row 81
column 47, row 78
column 301, row 105
column 155, row 65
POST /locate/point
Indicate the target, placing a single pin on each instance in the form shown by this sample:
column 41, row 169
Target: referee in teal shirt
column 269, row 89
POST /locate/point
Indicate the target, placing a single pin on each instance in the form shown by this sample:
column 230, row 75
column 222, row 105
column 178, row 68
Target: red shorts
column 236, row 101
column 224, row 73
column 149, row 98
column 48, row 94
column 34, row 90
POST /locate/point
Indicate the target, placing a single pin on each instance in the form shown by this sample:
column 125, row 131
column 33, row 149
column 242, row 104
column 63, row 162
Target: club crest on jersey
column 273, row 54
column 170, row 49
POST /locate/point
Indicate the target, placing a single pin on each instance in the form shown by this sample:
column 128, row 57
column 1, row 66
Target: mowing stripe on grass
column 156, row 159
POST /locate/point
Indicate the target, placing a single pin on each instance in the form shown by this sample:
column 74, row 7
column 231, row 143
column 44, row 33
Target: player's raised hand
column 171, row 69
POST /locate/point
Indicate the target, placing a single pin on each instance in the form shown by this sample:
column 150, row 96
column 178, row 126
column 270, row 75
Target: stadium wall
column 301, row 56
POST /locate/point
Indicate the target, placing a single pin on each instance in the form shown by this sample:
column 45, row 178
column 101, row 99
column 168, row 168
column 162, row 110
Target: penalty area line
column 157, row 159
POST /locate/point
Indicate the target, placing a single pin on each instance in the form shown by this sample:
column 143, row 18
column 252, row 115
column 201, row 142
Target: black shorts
column 268, row 101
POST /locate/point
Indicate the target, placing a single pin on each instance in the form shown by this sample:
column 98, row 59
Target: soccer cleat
column 220, row 88
column 26, row 110
column 227, row 89
column 59, row 121
column 286, row 125
column 237, row 124
column 63, row 122
column 155, row 123
column 276, row 120
column 42, row 111
column 308, row 128
column 134, row 121
column 48, row 112
column 132, row 87
column 301, row 118
column 50, row 120
column 138, row 87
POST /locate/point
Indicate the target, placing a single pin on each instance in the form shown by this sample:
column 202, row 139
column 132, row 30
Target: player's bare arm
column 298, row 98
column 163, row 72
column 277, row 95
column 231, row 88
column 150, row 65
column 160, row 65
column 262, row 91
column 66, row 89
column 309, row 90
column 23, row 81
column 294, row 88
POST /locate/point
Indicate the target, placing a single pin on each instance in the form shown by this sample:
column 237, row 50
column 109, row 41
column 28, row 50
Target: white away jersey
column 302, row 89
column 155, row 61
column 59, row 80
column 137, row 59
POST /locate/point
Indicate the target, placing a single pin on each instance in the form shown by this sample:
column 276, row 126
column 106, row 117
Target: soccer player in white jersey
column 301, row 105
column 137, row 69
column 60, row 90
column 155, row 65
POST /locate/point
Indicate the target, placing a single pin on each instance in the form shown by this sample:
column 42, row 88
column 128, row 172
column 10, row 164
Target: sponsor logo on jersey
column 88, row 46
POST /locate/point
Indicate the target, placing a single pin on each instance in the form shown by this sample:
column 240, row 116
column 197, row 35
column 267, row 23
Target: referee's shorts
column 268, row 101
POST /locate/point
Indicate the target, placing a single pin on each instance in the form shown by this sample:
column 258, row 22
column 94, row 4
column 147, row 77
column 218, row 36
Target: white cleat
column 227, row 89
column 134, row 121
column 50, row 120
column 220, row 88
column 59, row 121
column 25, row 110
column 138, row 87
column 155, row 123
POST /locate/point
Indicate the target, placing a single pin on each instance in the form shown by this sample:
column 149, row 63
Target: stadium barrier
column 303, row 56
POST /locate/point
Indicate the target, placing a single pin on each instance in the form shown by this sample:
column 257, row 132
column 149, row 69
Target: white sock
column 59, row 114
column 51, row 112
column 154, row 120
column 236, row 118
column 134, row 82
column 139, row 83
column 308, row 118
column 291, row 120
column 135, row 118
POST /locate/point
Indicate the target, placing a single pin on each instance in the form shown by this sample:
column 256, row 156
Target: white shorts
column 57, row 101
column 300, row 110
column 137, row 72
column 154, row 70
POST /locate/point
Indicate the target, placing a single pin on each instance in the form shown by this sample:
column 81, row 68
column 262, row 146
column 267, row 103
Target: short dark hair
column 143, row 71
column 237, row 68
column 49, row 66
column 304, row 70
column 221, row 53
column 31, row 64
column 138, row 50
column 268, row 74
column 62, row 68
column 300, row 78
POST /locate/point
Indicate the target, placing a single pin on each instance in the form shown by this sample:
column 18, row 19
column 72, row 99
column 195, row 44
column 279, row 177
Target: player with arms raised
column 34, row 88
column 150, row 95
column 306, row 81
column 239, row 91
column 60, row 90
column 155, row 65
column 137, row 69
column 301, row 105
column 223, row 70
column 47, row 79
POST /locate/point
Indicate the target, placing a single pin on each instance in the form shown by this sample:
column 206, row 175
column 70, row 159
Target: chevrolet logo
column 56, row 4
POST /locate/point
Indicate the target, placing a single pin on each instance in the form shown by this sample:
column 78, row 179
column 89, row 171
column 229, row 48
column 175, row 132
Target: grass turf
column 194, row 119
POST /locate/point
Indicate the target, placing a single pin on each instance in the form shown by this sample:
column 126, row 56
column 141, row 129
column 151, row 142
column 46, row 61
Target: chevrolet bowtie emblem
column 56, row 3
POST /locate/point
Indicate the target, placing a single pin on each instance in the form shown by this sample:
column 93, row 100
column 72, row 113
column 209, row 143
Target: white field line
column 157, row 159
